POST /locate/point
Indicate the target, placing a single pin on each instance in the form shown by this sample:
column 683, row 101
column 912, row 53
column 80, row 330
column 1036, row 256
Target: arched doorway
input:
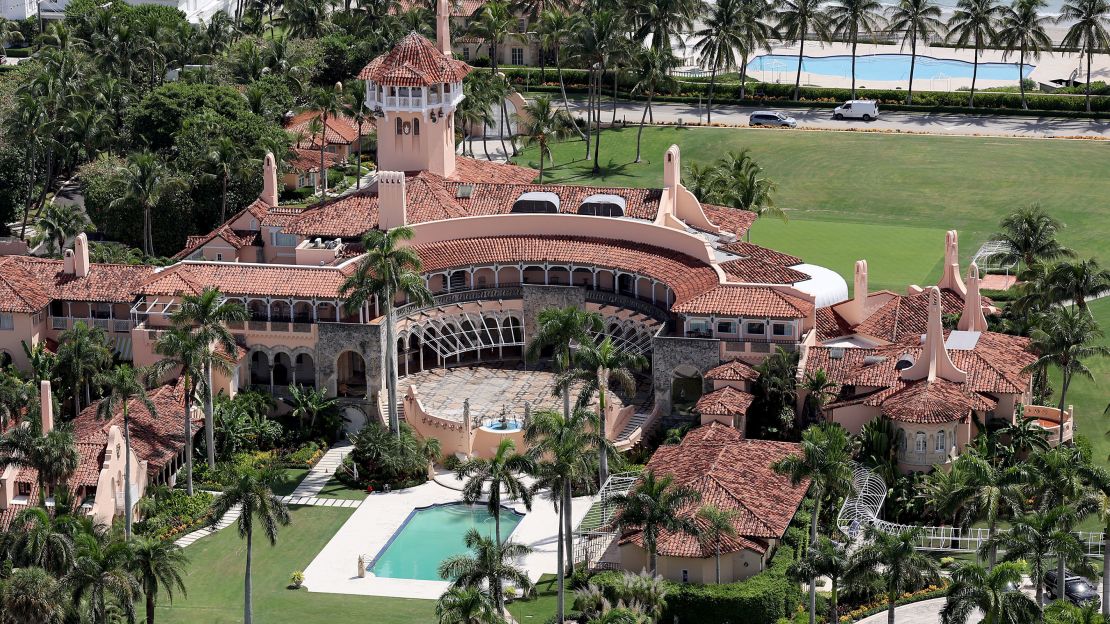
column 283, row 369
column 351, row 380
column 687, row 387
column 260, row 369
column 304, row 370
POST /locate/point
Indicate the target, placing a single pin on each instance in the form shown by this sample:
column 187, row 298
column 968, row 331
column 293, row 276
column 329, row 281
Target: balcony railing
column 107, row 324
column 477, row 294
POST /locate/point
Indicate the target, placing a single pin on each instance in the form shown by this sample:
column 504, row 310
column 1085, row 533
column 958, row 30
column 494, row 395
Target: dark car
column 1077, row 589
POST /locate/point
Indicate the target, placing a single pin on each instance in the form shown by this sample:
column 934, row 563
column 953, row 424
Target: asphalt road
column 821, row 118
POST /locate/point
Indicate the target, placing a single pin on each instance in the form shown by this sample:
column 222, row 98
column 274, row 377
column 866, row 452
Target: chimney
column 854, row 310
column 443, row 27
column 391, row 199
column 950, row 277
column 269, row 194
column 972, row 318
column 81, row 255
column 934, row 361
column 67, row 262
column 672, row 167
column 46, row 405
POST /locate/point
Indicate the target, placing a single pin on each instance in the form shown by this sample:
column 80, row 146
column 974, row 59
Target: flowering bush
column 878, row 606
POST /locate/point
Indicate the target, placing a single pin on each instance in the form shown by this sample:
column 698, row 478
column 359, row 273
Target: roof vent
column 873, row 359
column 836, row 353
column 905, row 361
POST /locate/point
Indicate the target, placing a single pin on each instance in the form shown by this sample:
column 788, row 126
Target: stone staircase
column 322, row 472
column 635, row 422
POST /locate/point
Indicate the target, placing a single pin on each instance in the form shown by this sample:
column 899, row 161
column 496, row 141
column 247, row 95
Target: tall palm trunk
column 974, row 75
column 559, row 608
column 358, row 165
column 1021, row 79
column 891, row 600
column 323, row 171
column 391, row 369
column 616, row 74
column 813, row 544
column 223, row 199
column 913, row 62
column 248, row 607
column 717, row 554
column 209, row 418
column 743, row 75
column 1090, row 52
column 603, row 452
column 1063, row 397
column 543, row 150
column 127, row 511
column 1060, row 578
column 709, row 102
column 597, row 122
column 640, row 132
column 653, row 560
column 589, row 111
column 855, row 41
column 1105, row 570
column 149, row 607
column 798, row 79
column 189, row 390
column 563, row 89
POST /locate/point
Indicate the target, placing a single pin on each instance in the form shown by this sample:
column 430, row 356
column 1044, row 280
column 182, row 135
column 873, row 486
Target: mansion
column 672, row 277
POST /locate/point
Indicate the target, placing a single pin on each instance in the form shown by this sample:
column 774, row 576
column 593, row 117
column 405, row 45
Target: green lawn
column 334, row 489
column 215, row 587
column 934, row 183
column 1090, row 397
column 544, row 605
column 290, row 479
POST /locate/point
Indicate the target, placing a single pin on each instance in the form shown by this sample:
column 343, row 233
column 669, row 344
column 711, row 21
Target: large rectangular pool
column 433, row 534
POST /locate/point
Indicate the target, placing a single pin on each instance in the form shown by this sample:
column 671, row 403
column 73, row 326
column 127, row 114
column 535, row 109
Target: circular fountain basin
column 511, row 425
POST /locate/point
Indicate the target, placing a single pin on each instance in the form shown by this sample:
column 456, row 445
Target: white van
column 857, row 109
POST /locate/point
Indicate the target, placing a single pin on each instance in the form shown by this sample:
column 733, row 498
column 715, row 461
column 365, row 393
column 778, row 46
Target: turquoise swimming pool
column 432, row 534
column 884, row 67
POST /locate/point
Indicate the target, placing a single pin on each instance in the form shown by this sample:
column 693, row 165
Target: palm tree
column 101, row 576
column 719, row 42
column 1038, row 539
column 208, row 314
column 992, row 491
column 1099, row 479
column 492, row 23
column 715, row 524
column 891, row 561
column 825, row 463
column 1066, row 337
column 561, row 329
column 599, row 40
column 797, row 19
column 665, row 20
column 146, row 182
column 32, row 595
column 309, row 403
column 848, row 19
column 542, row 123
column 491, row 564
column 9, row 34
column 1021, row 28
column 184, row 355
column 974, row 22
column 466, row 605
column 918, row 20
column 1064, row 612
column 53, row 456
column 83, row 354
column 992, row 592
column 158, row 565
column 653, row 68
column 474, row 110
column 829, row 559
column 327, row 101
column 58, row 224
column 597, row 367
column 1088, row 31
column 124, row 386
column 354, row 106
column 744, row 186
column 15, row 394
column 654, row 506
column 386, row 270
column 1030, row 233
column 252, row 494
column 501, row 472
column 41, row 541
column 563, row 450
column 554, row 29
column 1079, row 281
column 820, row 391
column 225, row 160
column 1026, row 435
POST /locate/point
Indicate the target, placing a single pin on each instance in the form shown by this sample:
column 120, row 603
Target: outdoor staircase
column 637, row 421
column 322, row 472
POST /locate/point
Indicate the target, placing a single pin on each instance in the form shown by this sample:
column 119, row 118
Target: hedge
column 19, row 52
column 782, row 94
column 763, row 598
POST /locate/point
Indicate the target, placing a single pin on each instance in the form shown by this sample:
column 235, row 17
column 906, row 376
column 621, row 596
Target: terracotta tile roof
column 484, row 171
column 31, row 283
column 756, row 271
column 738, row 300
column 731, row 474
column 736, row 370
column 749, row 250
column 308, row 160
column 730, row 219
column 88, row 468
column 19, row 291
column 457, row 8
column 237, row 239
column 685, row 276
column 726, row 401
column 246, row 279
column 831, row 325
column 340, row 129
column 414, row 62
column 937, row 401
column 156, row 438
column 903, row 318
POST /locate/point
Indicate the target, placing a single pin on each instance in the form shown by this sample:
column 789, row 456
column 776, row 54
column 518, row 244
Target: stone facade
column 669, row 352
column 538, row 298
column 368, row 341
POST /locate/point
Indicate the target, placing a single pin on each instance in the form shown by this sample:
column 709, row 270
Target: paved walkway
column 312, row 501
column 321, row 473
column 924, row 612
column 226, row 521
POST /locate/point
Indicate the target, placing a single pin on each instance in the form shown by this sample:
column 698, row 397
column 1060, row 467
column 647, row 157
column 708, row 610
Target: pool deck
column 334, row 570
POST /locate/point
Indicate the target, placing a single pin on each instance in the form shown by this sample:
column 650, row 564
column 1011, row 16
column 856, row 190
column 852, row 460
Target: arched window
column 416, row 127
column 940, row 441
column 602, row 206
column 919, row 443
column 536, row 202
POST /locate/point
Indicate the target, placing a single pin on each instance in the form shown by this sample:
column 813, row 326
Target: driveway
column 924, row 612
column 821, row 118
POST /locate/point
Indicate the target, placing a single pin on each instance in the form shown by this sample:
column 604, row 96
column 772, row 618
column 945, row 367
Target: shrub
column 296, row 580
column 168, row 513
column 452, row 462
column 304, row 457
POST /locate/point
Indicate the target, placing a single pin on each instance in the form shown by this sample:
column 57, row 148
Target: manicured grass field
column 215, row 581
column 868, row 179
column 290, row 478
column 334, row 489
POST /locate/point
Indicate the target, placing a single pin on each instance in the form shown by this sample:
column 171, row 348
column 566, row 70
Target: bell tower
column 413, row 91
